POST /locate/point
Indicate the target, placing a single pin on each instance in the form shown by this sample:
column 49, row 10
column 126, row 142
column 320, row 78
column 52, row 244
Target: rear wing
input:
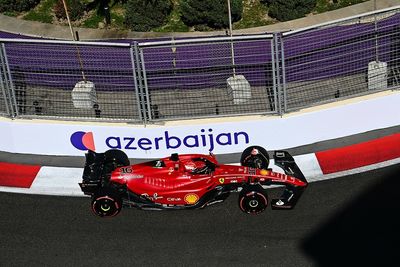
column 93, row 166
column 92, row 172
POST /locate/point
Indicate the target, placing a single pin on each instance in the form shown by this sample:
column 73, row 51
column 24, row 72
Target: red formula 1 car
column 188, row 181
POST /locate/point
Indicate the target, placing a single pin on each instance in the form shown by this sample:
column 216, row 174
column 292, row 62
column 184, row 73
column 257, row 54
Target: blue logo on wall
column 83, row 141
column 167, row 141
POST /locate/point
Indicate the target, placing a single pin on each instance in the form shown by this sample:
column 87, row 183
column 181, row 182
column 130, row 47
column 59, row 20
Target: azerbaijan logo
column 83, row 141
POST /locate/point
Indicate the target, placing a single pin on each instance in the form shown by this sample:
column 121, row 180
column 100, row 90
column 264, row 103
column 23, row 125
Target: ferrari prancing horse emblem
column 221, row 180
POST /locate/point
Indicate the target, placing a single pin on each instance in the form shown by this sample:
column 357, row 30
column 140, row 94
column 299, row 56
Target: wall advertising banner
column 272, row 132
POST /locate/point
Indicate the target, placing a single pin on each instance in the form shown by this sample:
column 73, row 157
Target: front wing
column 291, row 193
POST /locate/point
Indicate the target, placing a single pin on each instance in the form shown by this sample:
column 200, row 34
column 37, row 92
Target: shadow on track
column 365, row 233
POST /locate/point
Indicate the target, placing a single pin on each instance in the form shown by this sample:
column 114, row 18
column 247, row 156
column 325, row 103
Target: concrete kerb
column 329, row 164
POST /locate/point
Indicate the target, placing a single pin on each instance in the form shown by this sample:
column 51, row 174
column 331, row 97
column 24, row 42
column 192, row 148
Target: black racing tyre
column 105, row 203
column 253, row 199
column 114, row 158
column 118, row 157
column 255, row 157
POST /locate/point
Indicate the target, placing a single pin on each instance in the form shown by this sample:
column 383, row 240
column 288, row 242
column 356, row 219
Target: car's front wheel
column 105, row 203
column 255, row 157
column 253, row 199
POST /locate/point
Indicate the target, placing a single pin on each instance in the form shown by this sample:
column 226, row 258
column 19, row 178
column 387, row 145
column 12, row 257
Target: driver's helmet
column 193, row 165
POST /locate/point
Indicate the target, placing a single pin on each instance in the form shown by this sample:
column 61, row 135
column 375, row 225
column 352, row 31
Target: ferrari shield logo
column 221, row 180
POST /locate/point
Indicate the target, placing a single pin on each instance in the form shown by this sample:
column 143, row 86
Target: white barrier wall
column 20, row 136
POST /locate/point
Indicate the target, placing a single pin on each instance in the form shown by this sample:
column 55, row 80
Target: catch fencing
column 150, row 81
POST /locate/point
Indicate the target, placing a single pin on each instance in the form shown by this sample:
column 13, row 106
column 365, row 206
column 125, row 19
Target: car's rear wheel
column 117, row 156
column 106, row 203
column 253, row 199
column 255, row 157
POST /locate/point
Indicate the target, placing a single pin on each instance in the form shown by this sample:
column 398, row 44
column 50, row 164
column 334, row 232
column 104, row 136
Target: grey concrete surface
column 347, row 221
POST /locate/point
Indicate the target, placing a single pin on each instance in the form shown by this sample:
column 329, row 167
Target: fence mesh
column 45, row 79
column 3, row 87
column 205, row 77
column 347, row 59
column 3, row 107
column 7, row 105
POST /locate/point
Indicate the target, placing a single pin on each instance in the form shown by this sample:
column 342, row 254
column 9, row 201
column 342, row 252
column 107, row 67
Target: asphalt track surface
column 346, row 221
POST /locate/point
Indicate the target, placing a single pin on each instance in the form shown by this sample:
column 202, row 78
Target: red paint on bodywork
column 168, row 182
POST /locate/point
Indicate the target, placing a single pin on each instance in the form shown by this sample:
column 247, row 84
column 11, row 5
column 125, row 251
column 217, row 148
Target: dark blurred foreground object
column 365, row 233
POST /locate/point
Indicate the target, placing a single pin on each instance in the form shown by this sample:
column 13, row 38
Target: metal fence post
column 3, row 84
column 284, row 85
column 133, row 51
column 277, row 81
column 279, row 73
column 146, row 95
column 13, row 98
column 142, row 107
column 274, row 82
column 6, row 84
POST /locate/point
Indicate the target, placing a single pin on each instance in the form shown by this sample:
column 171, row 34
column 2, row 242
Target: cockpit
column 194, row 165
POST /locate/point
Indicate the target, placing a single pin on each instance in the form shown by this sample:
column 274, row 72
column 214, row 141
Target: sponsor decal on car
column 136, row 176
column 173, row 199
column 126, row 170
column 152, row 198
column 191, row 198
column 252, row 171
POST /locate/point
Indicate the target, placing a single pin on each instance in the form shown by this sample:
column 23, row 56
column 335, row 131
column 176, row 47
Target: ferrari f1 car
column 188, row 181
